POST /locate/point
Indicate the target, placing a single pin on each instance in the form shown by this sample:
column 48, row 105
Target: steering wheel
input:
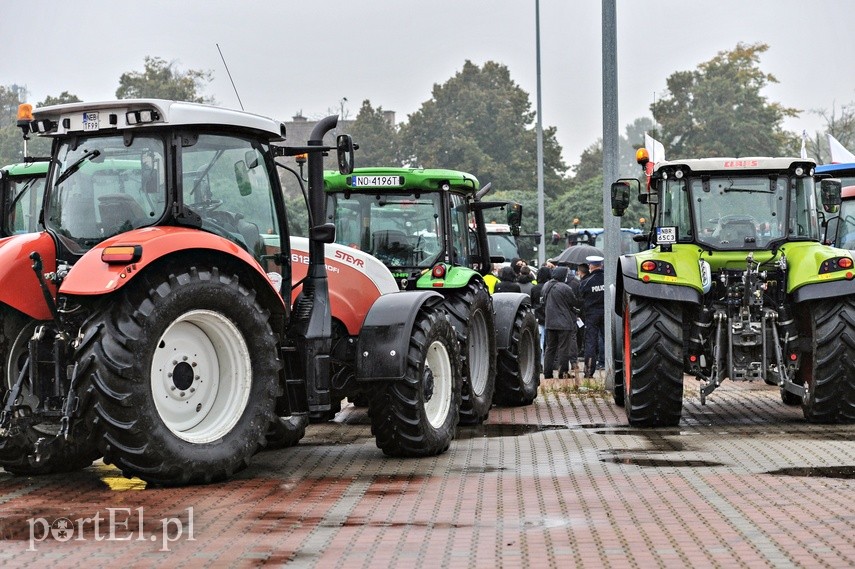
column 209, row 205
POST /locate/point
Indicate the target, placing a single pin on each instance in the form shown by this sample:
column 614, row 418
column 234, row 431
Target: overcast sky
column 288, row 57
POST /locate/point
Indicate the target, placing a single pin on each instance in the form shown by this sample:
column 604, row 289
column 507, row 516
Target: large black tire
column 418, row 415
column 470, row 311
column 519, row 364
column 617, row 354
column 653, row 361
column 828, row 369
column 18, row 445
column 286, row 432
column 187, row 376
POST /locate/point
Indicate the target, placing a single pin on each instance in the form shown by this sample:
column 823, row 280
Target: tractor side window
column 803, row 218
column 675, row 209
column 459, row 230
column 226, row 181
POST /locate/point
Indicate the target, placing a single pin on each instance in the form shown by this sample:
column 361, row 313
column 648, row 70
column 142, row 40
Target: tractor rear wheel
column 18, row 446
column 652, row 361
column 519, row 364
column 617, row 354
column 828, row 370
column 187, row 376
column 471, row 313
column 418, row 415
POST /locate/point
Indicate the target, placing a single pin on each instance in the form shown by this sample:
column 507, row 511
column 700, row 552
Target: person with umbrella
column 593, row 289
column 560, row 324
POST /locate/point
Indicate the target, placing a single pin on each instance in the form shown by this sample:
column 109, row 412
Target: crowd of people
column 570, row 308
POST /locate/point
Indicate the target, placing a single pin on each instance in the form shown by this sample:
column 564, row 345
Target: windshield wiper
column 748, row 190
column 76, row 166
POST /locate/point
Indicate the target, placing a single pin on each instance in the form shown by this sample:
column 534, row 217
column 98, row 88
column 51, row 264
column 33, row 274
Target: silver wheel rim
column 479, row 361
column 438, row 366
column 201, row 375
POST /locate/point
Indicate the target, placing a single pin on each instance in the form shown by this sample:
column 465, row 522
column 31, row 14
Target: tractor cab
column 417, row 222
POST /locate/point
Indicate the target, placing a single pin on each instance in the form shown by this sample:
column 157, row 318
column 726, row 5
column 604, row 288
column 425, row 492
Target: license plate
column 377, row 181
column 90, row 121
column 666, row 235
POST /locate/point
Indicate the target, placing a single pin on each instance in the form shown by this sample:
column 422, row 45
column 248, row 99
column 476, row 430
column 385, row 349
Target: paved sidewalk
column 743, row 482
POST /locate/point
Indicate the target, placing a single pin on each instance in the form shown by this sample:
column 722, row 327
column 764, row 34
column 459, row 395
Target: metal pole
column 541, row 212
column 611, row 224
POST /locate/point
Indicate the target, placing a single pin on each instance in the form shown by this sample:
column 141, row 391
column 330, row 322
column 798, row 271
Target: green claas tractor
column 738, row 286
column 427, row 227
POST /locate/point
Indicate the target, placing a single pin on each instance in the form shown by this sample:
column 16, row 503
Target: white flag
column 839, row 154
column 654, row 148
column 804, row 144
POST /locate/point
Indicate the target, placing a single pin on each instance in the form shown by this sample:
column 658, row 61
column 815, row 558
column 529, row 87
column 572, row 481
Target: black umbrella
column 577, row 254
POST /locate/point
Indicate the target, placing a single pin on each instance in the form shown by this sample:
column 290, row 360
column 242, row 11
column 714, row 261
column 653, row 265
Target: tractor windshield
column 401, row 230
column 103, row 186
column 741, row 212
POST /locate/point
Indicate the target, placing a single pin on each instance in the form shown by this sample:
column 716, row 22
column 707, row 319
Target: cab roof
column 747, row 163
column 115, row 115
column 35, row 168
column 428, row 179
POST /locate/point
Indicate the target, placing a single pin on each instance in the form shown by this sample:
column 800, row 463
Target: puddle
column 660, row 462
column 501, row 430
column 816, row 471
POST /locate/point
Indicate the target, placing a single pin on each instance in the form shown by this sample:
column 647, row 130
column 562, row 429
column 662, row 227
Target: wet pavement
column 744, row 481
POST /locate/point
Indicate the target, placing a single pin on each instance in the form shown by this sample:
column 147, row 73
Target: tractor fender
column 19, row 286
column 356, row 280
column 91, row 276
column 383, row 342
column 831, row 289
column 505, row 308
column 628, row 281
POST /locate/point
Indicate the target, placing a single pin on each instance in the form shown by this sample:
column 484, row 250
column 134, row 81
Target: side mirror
column 620, row 197
column 323, row 233
column 242, row 178
column 514, row 216
column 344, row 150
column 830, row 190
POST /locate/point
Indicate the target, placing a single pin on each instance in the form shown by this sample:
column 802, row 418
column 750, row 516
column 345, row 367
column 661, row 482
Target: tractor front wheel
column 652, row 361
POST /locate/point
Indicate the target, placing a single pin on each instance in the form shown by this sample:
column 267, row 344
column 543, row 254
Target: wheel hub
column 182, row 376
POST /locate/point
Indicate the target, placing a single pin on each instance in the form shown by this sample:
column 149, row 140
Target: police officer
column 592, row 289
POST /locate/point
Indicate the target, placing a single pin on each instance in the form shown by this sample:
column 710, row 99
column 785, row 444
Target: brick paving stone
column 743, row 481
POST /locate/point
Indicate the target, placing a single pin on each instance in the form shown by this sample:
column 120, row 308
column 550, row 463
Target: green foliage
column 160, row 80
column 61, row 99
column 481, row 122
column 717, row 109
column 376, row 136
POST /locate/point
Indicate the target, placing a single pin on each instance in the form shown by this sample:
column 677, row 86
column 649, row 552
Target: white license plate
column 378, row 181
column 666, row 235
column 90, row 121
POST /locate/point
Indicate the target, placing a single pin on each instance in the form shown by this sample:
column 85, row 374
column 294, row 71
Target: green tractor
column 737, row 285
column 22, row 188
column 427, row 228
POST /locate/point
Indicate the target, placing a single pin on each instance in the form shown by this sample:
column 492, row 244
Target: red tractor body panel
column 19, row 286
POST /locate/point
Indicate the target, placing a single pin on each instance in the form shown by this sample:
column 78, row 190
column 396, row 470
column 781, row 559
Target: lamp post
column 541, row 213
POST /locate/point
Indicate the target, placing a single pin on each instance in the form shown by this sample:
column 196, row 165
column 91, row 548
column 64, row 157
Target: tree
column 376, row 136
column 11, row 137
column 717, row 110
column 161, row 80
column 481, row 122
